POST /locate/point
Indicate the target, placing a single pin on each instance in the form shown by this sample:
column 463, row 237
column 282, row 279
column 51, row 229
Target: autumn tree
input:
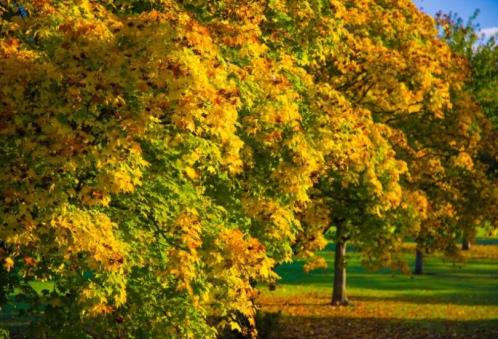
column 479, row 196
column 358, row 80
column 117, row 117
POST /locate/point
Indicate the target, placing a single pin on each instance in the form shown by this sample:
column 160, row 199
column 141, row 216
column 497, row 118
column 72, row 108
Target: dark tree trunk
column 339, row 292
column 419, row 262
column 465, row 242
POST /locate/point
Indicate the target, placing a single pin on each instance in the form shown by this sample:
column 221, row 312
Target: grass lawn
column 450, row 301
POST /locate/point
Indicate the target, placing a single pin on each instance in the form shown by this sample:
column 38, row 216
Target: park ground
column 452, row 300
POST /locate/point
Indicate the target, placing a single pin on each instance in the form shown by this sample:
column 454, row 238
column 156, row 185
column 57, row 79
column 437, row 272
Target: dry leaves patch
column 312, row 316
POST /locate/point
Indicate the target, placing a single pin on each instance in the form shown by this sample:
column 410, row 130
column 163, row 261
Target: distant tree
column 479, row 198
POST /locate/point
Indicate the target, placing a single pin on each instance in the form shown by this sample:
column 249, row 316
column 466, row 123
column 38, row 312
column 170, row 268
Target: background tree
column 480, row 53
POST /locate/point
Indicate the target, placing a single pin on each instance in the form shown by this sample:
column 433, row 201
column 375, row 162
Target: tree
column 479, row 203
column 386, row 76
column 116, row 119
column 368, row 85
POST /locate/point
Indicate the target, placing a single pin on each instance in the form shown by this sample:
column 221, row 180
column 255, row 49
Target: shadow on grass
column 349, row 327
column 442, row 299
column 487, row 241
column 434, row 289
column 474, row 283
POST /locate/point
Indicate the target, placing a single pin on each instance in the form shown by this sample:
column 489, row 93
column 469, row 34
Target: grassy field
column 449, row 301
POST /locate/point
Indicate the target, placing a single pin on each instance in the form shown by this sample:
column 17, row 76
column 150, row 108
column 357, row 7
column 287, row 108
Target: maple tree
column 115, row 121
column 478, row 188
column 413, row 86
column 390, row 84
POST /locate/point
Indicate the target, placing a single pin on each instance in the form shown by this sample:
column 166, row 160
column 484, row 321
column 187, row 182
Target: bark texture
column 465, row 243
column 419, row 262
column 339, row 296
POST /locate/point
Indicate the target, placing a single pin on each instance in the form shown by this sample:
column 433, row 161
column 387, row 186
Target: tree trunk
column 419, row 262
column 465, row 242
column 339, row 292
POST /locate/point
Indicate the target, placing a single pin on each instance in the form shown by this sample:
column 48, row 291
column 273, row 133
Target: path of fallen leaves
column 312, row 316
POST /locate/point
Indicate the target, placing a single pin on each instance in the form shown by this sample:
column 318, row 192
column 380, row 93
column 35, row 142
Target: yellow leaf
column 191, row 173
column 8, row 264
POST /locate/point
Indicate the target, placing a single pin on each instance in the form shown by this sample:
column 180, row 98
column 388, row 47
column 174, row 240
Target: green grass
column 474, row 281
column 451, row 299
